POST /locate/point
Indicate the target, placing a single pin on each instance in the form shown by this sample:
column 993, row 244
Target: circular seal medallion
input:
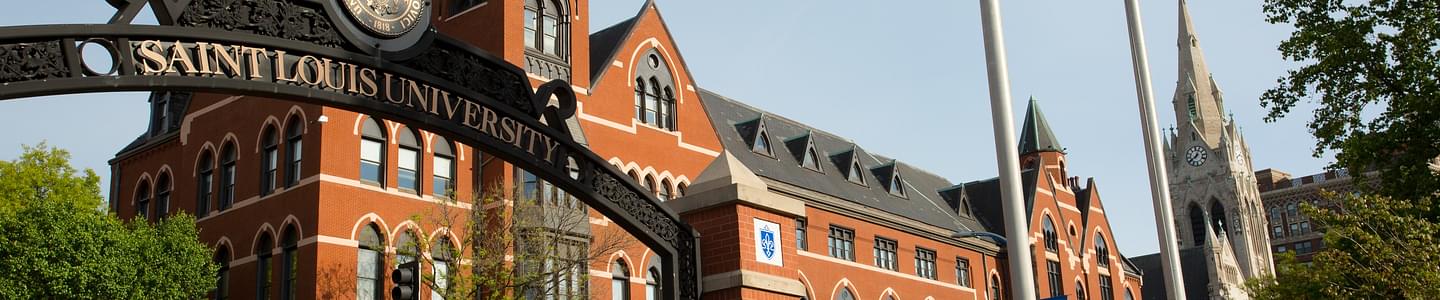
column 387, row 18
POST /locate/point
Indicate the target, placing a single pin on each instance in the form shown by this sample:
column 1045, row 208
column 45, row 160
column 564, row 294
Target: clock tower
column 1212, row 184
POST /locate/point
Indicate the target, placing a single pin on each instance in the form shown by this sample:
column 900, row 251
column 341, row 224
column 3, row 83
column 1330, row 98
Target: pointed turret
column 1197, row 97
column 1036, row 136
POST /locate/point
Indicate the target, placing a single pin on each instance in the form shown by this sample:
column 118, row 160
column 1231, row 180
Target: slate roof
column 737, row 125
column 1192, row 265
column 1035, row 135
column 605, row 42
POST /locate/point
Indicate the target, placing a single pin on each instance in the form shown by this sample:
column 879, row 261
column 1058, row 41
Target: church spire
column 1197, row 99
column 1036, row 136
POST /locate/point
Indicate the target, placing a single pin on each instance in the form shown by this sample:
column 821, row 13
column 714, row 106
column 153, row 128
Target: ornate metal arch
column 259, row 48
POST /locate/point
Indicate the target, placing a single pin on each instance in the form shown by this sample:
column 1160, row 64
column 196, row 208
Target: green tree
column 1373, row 66
column 56, row 242
column 1379, row 248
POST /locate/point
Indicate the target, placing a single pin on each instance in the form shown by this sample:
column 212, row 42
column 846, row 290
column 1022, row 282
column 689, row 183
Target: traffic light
column 407, row 281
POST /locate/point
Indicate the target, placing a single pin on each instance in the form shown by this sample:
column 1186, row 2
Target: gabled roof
column 985, row 200
column 1036, row 136
column 605, row 44
column 797, row 146
column 734, row 119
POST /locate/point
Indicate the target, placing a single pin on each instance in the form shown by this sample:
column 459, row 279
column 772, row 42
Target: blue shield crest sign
column 767, row 242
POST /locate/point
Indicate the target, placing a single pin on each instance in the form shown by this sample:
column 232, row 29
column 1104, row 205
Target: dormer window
column 762, row 143
column 897, row 186
column 854, row 175
column 809, row 160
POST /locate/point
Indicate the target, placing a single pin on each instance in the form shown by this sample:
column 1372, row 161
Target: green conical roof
column 1036, row 136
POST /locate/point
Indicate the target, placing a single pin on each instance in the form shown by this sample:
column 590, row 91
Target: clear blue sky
column 907, row 81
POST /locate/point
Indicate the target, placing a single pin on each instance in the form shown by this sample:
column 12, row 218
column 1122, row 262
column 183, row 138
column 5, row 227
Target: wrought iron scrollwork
column 281, row 19
column 32, row 61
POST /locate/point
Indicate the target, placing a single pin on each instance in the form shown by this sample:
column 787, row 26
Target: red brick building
column 305, row 201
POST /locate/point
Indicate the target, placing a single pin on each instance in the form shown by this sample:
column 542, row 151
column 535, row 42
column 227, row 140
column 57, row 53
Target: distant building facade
column 1290, row 229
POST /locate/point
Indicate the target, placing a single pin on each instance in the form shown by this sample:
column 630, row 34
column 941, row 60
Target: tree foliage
column 56, row 243
column 1378, row 248
column 521, row 249
column 1374, row 68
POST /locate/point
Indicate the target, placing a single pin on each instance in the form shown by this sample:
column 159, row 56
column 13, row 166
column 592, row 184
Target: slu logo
column 767, row 241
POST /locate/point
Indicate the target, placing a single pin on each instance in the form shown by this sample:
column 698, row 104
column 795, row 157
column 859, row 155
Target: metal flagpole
column 1022, row 278
column 1159, row 180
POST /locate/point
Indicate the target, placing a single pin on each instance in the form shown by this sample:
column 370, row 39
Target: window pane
column 442, row 167
column 530, row 19
column 407, row 159
column 370, row 150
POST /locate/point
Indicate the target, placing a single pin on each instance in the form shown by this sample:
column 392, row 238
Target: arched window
column 652, row 284
column 227, row 176
column 809, row 160
column 269, row 160
column 1102, row 251
column 370, row 283
column 1052, row 242
column 294, row 148
column 372, row 152
column 995, row 287
column 1197, row 224
column 1080, row 291
column 762, row 143
column 640, row 99
column 162, row 195
column 546, row 28
column 204, row 183
column 619, row 280
column 444, row 169
column 406, row 248
column 652, row 103
column 897, row 185
column 1129, row 295
column 1217, row 217
column 680, row 189
column 263, row 250
column 142, row 200
column 649, row 184
column 222, row 277
column 408, row 161
column 667, row 109
column 290, row 262
column 665, row 191
column 442, row 253
column 845, row 294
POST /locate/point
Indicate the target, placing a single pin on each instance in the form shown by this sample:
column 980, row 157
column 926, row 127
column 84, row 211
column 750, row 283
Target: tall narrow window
column 369, row 268
column 290, row 263
column 962, row 271
column 994, row 287
column 262, row 266
column 544, row 26
column 204, row 183
column 897, row 185
column 294, row 148
column 1052, row 241
column 845, row 294
column 408, row 161
column 529, row 186
column 619, row 280
column 222, row 276
column 649, row 184
column 652, row 103
column 640, row 99
column 665, row 191
column 444, row 169
column 842, row 243
column 1107, row 292
column 406, row 248
column 142, row 200
column 885, row 253
column 1080, row 291
column 800, row 242
column 925, row 263
column 372, row 153
column 162, row 196
column 227, row 176
column 809, row 160
column 1102, row 252
column 1052, row 275
column 652, row 284
column 269, row 160
column 442, row 254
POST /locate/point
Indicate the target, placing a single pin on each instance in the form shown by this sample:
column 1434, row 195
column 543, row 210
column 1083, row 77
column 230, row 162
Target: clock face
column 1195, row 156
